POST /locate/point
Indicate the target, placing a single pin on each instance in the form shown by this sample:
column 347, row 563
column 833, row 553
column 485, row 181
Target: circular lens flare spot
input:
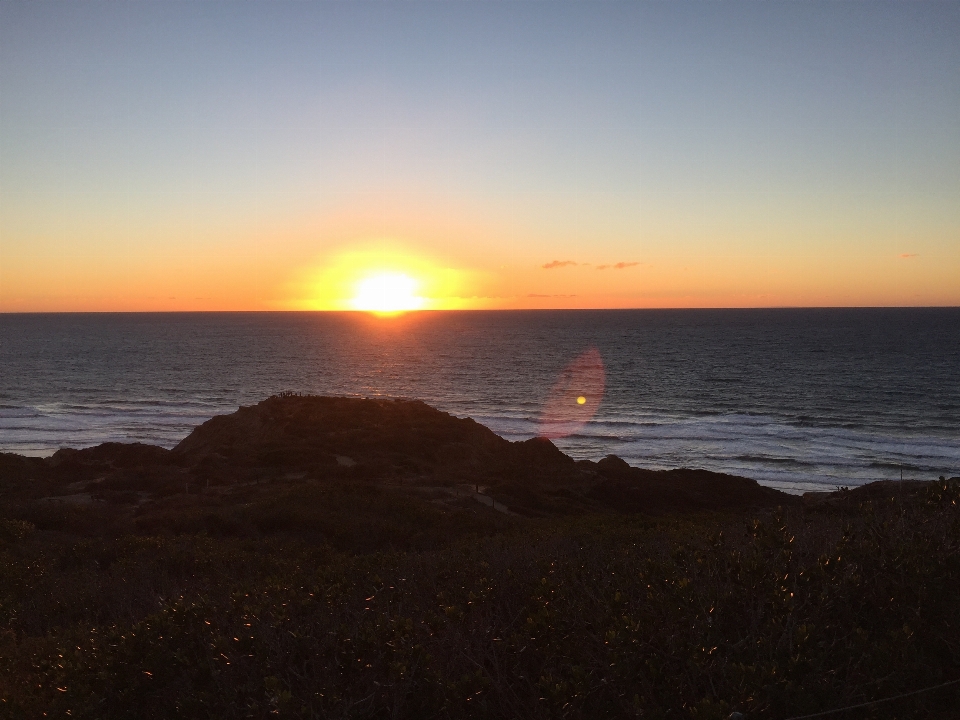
column 575, row 397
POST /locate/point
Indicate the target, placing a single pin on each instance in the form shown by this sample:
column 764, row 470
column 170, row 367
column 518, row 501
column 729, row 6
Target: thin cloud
column 618, row 266
column 907, row 256
column 538, row 295
column 558, row 264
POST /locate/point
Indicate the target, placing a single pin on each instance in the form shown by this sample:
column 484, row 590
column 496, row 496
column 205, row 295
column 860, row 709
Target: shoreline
column 769, row 471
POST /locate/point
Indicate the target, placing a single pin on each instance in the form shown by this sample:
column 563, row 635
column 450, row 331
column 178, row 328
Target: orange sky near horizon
column 466, row 260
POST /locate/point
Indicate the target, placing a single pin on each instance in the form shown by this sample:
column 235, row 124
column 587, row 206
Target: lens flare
column 575, row 397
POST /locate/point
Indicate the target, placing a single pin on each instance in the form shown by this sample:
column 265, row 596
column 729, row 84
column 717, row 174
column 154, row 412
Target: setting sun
column 387, row 293
column 383, row 277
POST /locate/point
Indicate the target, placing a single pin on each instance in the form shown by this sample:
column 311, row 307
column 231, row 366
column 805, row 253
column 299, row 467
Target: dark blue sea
column 799, row 399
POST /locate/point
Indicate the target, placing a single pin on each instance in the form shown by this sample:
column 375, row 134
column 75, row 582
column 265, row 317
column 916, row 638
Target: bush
column 780, row 614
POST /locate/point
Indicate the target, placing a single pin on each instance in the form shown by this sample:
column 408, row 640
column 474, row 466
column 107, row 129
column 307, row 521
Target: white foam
column 768, row 450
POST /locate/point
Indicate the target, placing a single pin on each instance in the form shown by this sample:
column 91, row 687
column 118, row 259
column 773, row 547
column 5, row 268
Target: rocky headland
column 393, row 443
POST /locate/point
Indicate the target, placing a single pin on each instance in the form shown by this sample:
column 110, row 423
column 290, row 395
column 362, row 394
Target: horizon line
column 477, row 310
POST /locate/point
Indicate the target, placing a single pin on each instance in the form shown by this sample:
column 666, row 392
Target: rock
column 612, row 466
column 399, row 441
column 389, row 437
column 110, row 456
column 20, row 476
column 630, row 489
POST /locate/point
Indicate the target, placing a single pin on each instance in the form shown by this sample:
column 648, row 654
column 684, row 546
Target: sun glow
column 387, row 293
column 385, row 279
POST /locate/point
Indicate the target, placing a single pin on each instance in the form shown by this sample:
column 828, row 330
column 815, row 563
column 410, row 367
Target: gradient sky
column 226, row 155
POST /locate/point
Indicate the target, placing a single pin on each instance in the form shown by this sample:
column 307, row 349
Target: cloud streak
column 618, row 266
column 554, row 264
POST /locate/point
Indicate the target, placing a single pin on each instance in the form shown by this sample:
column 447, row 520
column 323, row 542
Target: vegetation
column 339, row 599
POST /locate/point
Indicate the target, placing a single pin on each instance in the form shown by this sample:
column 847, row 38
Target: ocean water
column 801, row 399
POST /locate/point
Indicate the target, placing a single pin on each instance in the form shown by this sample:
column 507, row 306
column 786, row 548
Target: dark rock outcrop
column 390, row 438
column 110, row 456
column 22, row 476
column 654, row 491
column 394, row 441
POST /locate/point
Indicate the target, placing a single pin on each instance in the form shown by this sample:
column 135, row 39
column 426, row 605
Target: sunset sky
column 270, row 156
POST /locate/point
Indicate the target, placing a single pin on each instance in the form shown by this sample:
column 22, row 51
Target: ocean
column 798, row 399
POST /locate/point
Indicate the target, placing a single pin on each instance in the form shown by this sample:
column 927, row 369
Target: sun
column 387, row 293
column 385, row 279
